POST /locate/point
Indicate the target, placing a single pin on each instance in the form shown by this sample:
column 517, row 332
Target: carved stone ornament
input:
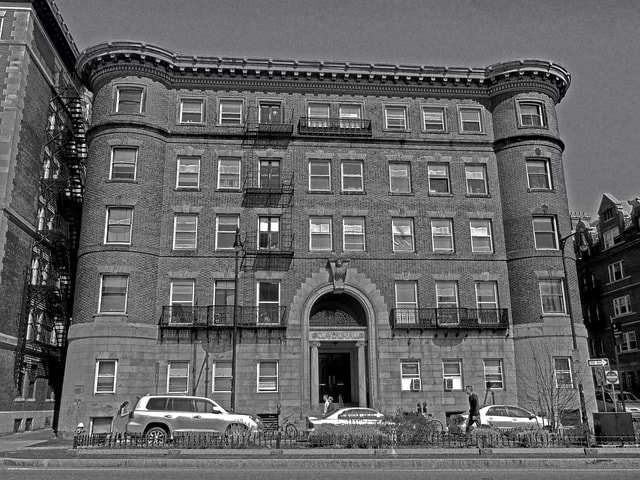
column 339, row 273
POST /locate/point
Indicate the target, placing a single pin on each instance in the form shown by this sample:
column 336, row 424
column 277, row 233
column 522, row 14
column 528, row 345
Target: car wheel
column 157, row 436
column 236, row 431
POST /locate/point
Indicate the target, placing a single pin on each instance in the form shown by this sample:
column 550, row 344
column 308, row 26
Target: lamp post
column 574, row 340
column 237, row 246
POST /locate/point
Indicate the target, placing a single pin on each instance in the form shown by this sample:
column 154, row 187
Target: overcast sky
column 597, row 41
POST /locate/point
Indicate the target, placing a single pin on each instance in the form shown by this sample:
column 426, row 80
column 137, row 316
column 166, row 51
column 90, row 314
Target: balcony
column 449, row 319
column 269, row 129
column 339, row 127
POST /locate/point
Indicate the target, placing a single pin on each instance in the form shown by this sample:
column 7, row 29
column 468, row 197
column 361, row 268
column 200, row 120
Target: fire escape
column 49, row 281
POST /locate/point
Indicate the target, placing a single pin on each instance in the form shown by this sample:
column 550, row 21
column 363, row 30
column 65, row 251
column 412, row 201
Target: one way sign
column 598, row 362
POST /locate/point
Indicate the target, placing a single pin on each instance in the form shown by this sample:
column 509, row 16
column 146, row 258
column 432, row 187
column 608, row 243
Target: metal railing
column 214, row 316
column 449, row 318
column 334, row 126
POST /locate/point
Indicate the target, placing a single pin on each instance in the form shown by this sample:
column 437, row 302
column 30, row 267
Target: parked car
column 504, row 416
column 158, row 417
column 631, row 403
column 348, row 416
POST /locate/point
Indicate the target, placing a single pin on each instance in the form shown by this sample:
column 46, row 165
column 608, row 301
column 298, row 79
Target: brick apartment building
column 42, row 152
column 385, row 234
column 610, row 287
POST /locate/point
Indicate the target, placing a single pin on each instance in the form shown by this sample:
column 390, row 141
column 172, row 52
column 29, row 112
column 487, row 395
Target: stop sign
column 612, row 376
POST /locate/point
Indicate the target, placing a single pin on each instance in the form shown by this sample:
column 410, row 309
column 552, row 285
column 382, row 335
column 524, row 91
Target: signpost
column 598, row 362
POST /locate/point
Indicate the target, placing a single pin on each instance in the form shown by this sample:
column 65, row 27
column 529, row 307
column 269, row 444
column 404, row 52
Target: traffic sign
column 598, row 372
column 612, row 376
column 598, row 362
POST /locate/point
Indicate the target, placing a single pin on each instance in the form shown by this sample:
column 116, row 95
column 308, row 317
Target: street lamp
column 237, row 246
column 583, row 248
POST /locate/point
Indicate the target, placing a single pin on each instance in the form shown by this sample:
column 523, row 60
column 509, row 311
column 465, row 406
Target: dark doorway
column 335, row 376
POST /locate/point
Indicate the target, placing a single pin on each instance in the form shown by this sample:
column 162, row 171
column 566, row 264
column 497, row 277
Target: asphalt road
column 325, row 474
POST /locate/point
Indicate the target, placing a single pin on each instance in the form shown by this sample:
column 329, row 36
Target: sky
column 598, row 41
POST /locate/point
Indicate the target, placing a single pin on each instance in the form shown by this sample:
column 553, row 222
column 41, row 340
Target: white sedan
column 507, row 416
column 348, row 416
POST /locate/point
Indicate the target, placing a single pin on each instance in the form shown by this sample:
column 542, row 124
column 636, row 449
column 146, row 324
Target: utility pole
column 237, row 246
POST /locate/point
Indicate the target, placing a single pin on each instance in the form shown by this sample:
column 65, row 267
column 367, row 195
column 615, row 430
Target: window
column 433, row 119
column 113, row 294
column 30, row 393
column 616, row 272
column 353, row 234
column 486, row 295
column 185, row 231
column 270, row 112
column 470, row 120
column 611, row 237
column 408, row 371
column 544, row 233
column 182, row 292
column 130, row 99
column 481, row 241
column 178, row 377
column 221, row 376
column 621, row 306
column 476, row 176
column 105, row 381
column 319, row 176
column 406, row 302
column 395, row 117
column 438, row 178
column 607, row 215
column 229, row 173
column 562, row 372
column 223, row 300
column 350, row 116
column 402, row 233
column 269, row 173
column 400, row 178
column 123, row 163
column 226, row 226
column 538, row 175
column 628, row 342
column 352, row 180
column 452, row 374
column 552, row 296
column 118, row 228
column 267, row 376
column 230, row 112
column 269, row 233
column 320, row 233
column 318, row 115
column 188, row 174
column 531, row 114
column 493, row 379
column 442, row 235
column 192, row 110
column 268, row 302
column 447, row 302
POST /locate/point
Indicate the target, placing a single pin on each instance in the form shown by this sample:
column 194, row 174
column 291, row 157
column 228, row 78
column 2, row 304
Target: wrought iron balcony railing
column 449, row 318
column 215, row 317
column 334, row 126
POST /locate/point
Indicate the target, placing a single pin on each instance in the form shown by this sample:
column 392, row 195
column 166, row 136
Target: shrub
column 349, row 436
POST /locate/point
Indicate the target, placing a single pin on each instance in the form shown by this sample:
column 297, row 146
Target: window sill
column 444, row 252
column 129, row 114
column 229, row 190
column 622, row 352
column 402, row 194
column 186, row 189
column 119, row 180
column 478, row 195
column 353, row 192
column 612, row 282
column 230, row 125
column 437, row 132
column 622, row 315
column 541, row 190
column 532, row 127
column 462, row 132
column 440, row 194
column 191, row 124
column 395, row 130
column 320, row 192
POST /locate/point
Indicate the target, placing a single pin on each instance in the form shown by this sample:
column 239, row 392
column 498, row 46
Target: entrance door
column 335, row 376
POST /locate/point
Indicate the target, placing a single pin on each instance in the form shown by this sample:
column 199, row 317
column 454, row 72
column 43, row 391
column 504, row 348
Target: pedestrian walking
column 474, row 414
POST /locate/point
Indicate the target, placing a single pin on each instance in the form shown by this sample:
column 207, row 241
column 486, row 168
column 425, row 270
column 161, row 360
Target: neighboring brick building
column 41, row 150
column 610, row 287
column 400, row 231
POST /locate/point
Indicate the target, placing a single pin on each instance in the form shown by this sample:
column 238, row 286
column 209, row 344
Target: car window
column 157, row 404
column 359, row 414
column 182, row 405
column 519, row 412
column 629, row 397
column 497, row 411
column 203, row 406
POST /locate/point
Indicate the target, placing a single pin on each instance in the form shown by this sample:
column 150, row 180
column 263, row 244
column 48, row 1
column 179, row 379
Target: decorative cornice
column 97, row 65
column 511, row 141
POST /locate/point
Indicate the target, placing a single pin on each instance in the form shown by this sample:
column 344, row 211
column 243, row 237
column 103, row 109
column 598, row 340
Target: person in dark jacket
column 474, row 414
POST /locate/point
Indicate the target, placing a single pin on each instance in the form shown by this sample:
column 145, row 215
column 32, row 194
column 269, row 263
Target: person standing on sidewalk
column 474, row 414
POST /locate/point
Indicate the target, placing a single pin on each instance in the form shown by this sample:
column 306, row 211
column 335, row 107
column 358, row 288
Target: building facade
column 42, row 154
column 610, row 288
column 264, row 232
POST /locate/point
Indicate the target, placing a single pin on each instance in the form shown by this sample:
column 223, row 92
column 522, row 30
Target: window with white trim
column 319, row 176
column 268, row 233
column 486, row 295
column 539, row 174
column 352, row 176
column 118, row 225
column 552, row 296
column 188, row 172
column 191, row 110
column 105, row 380
column 400, row 178
column 409, row 370
column 439, row 178
column 545, row 233
column 226, row 226
column 178, row 377
column 531, row 114
column 395, row 117
column 221, row 376
column 470, row 120
column 476, row 177
column 269, row 173
column 353, row 238
column 185, row 231
column 113, row 293
column 402, row 233
column 406, row 301
column 123, row 163
column 442, row 235
column 433, row 119
column 318, row 114
column 350, row 116
column 268, row 302
column 129, row 99
column 562, row 372
column 452, row 374
column 628, row 342
column 447, row 303
column 229, row 173
column 320, row 233
column 230, row 112
column 616, row 271
column 481, row 238
column 270, row 113
column 621, row 306
column 493, row 374
column 267, row 376
column 611, row 237
column 182, row 292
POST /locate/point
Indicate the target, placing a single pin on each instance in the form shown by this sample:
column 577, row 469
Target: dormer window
column 611, row 237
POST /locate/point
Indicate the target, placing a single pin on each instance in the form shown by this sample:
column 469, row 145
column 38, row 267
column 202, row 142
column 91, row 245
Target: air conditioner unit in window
column 416, row 385
column 448, row 384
